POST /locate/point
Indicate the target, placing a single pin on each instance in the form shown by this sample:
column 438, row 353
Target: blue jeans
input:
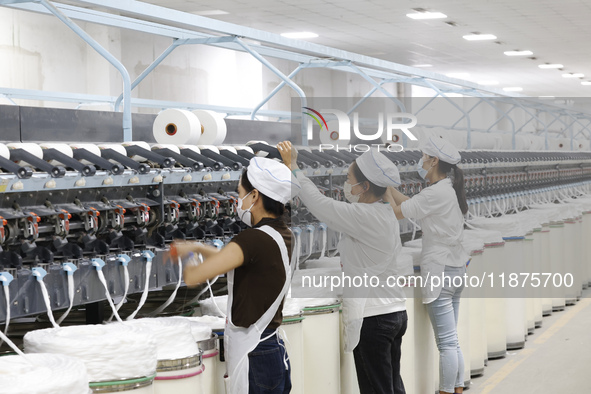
column 377, row 356
column 444, row 313
column 267, row 373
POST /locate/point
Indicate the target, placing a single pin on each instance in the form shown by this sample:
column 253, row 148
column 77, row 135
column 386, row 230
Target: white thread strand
column 173, row 295
column 70, row 298
column 110, row 351
column 47, row 303
column 108, row 295
column 7, row 297
column 43, row 374
column 126, row 289
column 11, row 344
column 145, row 293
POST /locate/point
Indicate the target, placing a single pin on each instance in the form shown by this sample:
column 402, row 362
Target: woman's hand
column 182, row 249
column 288, row 153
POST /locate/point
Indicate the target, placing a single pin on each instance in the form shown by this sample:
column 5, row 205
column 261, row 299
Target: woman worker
column 374, row 319
column 257, row 261
column 440, row 209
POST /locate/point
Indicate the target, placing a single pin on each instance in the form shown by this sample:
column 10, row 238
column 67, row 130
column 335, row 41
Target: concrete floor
column 556, row 358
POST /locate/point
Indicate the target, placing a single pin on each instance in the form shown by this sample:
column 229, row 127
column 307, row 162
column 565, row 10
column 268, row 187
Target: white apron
column 354, row 307
column 239, row 341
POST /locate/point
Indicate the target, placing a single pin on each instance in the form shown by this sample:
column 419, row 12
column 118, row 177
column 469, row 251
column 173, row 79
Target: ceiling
column 555, row 31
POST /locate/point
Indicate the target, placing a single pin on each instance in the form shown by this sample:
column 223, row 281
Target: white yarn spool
column 4, row 151
column 228, row 148
column 171, row 147
column 173, row 336
column 33, row 149
column 200, row 330
column 43, row 374
column 116, row 147
column 92, row 148
column 208, row 307
column 62, row 148
column 244, row 147
column 110, row 352
column 141, row 144
column 210, row 147
column 194, row 148
column 214, row 128
column 177, row 126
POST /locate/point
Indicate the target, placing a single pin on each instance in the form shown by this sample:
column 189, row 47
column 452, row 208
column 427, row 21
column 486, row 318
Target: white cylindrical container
column 545, row 266
column 426, row 354
column 321, row 347
column 464, row 334
column 587, row 245
column 117, row 356
column 528, row 258
column 43, row 374
column 496, row 315
column 580, row 272
column 536, row 266
column 292, row 332
column 515, row 306
column 179, row 367
column 570, row 256
column 557, row 263
column 207, row 342
column 476, row 314
column 349, row 383
column 215, row 360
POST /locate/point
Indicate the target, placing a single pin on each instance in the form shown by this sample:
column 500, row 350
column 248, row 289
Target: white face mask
column 245, row 215
column 350, row 196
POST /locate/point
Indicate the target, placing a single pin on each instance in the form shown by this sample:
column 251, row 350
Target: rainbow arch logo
column 334, row 135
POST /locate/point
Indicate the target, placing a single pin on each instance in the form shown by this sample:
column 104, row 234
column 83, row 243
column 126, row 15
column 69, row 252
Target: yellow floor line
column 506, row 370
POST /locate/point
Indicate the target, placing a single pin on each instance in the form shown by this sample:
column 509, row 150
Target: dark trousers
column 377, row 356
column 267, row 373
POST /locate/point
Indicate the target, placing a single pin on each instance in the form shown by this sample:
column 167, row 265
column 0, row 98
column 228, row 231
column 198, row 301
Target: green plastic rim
column 292, row 320
column 321, row 308
column 121, row 382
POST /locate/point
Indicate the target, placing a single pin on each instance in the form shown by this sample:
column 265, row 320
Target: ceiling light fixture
column 299, row 35
column 518, row 53
column 423, row 65
column 419, row 15
column 479, row 37
column 210, row 13
column 573, row 75
column 550, row 65
column 513, row 89
column 586, row 83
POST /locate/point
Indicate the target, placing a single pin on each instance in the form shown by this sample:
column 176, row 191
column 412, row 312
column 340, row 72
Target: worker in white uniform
column 374, row 318
column 257, row 261
column 440, row 210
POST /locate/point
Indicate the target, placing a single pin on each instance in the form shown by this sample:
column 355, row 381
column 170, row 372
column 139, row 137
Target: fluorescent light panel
column 574, row 75
column 550, row 66
column 518, row 53
column 480, row 37
column 586, row 83
column 458, row 75
column 513, row 89
column 423, row 65
column 426, row 15
column 301, row 34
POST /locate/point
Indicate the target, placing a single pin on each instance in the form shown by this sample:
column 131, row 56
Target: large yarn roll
column 33, row 149
column 92, row 148
column 170, row 147
column 173, row 336
column 4, row 151
column 116, row 147
column 141, row 144
column 177, row 126
column 42, row 374
column 200, row 330
column 63, row 148
column 214, row 128
column 110, row 352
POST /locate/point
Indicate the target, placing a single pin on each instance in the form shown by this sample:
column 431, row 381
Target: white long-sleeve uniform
column 371, row 238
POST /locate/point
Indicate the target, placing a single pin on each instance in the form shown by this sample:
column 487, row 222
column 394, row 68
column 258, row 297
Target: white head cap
column 378, row 169
column 273, row 179
column 444, row 150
